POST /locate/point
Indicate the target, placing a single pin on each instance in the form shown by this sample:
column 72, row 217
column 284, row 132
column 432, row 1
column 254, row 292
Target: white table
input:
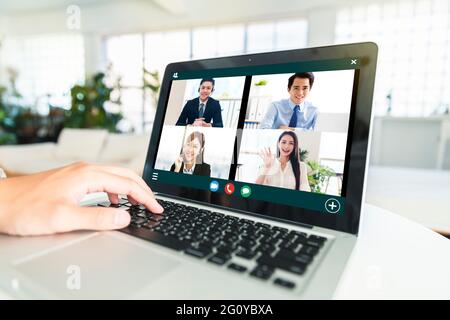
column 422, row 195
column 394, row 258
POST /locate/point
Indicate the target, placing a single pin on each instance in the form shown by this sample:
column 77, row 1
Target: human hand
column 178, row 163
column 199, row 122
column 268, row 158
column 48, row 202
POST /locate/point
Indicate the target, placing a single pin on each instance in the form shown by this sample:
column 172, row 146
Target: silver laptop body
column 125, row 265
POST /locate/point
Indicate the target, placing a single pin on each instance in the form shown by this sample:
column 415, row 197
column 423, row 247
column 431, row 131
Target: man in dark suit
column 202, row 110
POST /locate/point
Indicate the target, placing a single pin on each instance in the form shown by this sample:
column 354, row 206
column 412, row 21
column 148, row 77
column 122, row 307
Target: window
column 414, row 43
column 162, row 48
column 290, row 34
column 125, row 54
column 47, row 67
column 215, row 41
column 261, row 37
column 279, row 35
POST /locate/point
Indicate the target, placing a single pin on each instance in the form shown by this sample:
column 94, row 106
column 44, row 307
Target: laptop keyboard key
column 281, row 230
column 220, row 258
column 154, row 217
column 284, row 283
column 248, row 244
column 138, row 221
column 141, row 214
column 225, row 249
column 314, row 243
column 311, row 251
column 198, row 252
column 156, row 237
column 246, row 254
column 266, row 248
column 262, row 272
column 294, row 267
column 262, row 225
column 290, row 256
column 124, row 202
column 150, row 224
column 317, row 238
column 237, row 267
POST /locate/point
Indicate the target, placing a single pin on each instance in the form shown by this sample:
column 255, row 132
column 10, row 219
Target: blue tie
column 293, row 122
column 201, row 110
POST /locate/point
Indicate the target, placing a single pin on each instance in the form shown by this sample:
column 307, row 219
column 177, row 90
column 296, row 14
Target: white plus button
column 332, row 205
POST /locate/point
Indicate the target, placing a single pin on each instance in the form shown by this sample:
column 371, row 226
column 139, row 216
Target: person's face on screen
column 299, row 90
column 191, row 150
column 286, row 146
column 205, row 90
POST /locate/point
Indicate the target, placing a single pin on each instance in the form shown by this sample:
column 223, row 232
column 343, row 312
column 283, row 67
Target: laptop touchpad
column 101, row 266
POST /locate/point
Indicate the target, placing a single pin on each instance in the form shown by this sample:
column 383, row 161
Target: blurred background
column 94, row 67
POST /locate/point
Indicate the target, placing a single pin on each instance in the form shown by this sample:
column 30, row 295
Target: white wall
column 410, row 142
column 100, row 18
column 176, row 102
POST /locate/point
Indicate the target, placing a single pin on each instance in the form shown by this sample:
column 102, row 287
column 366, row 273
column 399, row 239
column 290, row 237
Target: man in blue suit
column 295, row 112
column 202, row 110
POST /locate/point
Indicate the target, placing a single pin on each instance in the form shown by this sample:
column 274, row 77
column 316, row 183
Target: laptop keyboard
column 219, row 238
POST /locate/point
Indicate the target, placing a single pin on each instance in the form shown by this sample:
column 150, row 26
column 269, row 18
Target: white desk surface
column 394, row 258
column 422, row 195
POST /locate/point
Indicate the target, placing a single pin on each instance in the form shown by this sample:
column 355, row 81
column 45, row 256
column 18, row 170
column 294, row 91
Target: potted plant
column 152, row 82
column 9, row 111
column 259, row 87
column 318, row 174
column 88, row 105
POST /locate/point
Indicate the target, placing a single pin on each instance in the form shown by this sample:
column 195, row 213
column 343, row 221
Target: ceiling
column 23, row 6
column 27, row 6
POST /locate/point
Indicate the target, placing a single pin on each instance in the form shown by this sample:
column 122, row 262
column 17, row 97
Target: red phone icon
column 229, row 188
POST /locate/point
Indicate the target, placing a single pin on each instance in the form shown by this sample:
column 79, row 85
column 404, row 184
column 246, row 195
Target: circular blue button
column 214, row 186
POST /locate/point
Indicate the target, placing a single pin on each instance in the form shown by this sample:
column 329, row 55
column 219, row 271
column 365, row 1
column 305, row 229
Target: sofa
column 91, row 145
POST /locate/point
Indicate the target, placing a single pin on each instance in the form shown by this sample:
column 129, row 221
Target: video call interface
column 276, row 136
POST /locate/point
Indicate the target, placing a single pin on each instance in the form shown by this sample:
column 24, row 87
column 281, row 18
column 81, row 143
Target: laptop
column 259, row 161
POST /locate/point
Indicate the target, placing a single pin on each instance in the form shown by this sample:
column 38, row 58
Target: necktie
column 201, row 110
column 293, row 122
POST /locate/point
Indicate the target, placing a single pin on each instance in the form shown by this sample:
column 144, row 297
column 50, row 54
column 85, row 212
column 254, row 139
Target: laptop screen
column 270, row 139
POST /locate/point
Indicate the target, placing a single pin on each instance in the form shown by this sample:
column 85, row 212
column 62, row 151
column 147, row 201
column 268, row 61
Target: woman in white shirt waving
column 286, row 170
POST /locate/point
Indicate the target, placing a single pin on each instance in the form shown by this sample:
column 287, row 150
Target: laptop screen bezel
column 356, row 152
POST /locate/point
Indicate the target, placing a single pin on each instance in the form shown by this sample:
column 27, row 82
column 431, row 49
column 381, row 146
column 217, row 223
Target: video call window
column 293, row 136
column 296, row 131
column 200, row 126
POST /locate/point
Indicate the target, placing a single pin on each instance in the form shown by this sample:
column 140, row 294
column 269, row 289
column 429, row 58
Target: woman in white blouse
column 285, row 170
